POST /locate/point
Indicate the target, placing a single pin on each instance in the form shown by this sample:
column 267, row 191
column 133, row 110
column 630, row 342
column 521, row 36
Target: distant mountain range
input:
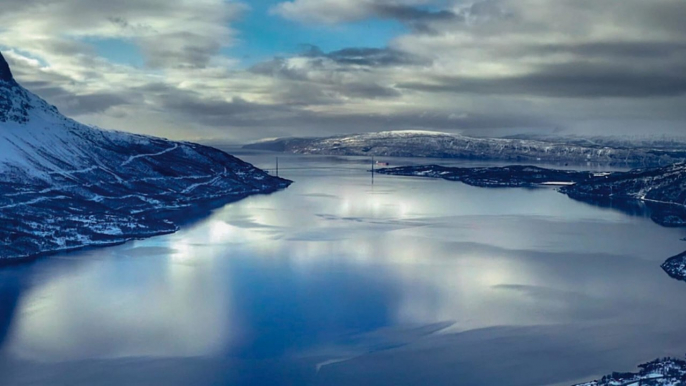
column 411, row 143
column 65, row 185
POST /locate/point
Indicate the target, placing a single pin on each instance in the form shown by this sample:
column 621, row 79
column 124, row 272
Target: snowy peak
column 16, row 103
column 5, row 72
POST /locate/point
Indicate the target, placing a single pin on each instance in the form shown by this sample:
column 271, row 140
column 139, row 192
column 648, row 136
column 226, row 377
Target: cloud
column 599, row 66
column 571, row 63
column 418, row 14
column 323, row 11
column 372, row 57
column 215, row 112
column 170, row 33
column 571, row 80
column 343, row 11
column 316, row 77
column 73, row 104
column 417, row 18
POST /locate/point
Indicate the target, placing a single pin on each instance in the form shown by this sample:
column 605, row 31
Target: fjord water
column 336, row 281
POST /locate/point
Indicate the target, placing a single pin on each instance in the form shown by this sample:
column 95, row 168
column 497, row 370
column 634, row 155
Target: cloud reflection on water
column 312, row 269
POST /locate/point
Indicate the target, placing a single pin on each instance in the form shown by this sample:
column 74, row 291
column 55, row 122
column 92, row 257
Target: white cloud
column 170, row 33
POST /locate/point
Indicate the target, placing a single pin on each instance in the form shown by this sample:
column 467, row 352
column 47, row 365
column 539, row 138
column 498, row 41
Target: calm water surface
column 336, row 281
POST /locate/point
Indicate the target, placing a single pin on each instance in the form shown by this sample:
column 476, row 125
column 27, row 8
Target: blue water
column 336, row 281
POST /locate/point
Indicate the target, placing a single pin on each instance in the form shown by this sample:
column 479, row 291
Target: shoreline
column 669, row 371
column 175, row 217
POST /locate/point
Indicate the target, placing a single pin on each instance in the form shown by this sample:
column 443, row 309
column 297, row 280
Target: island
column 515, row 176
column 65, row 185
column 676, row 266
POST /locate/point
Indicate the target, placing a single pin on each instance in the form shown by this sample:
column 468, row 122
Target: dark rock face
column 445, row 145
column 676, row 266
column 15, row 101
column 64, row 185
column 5, row 72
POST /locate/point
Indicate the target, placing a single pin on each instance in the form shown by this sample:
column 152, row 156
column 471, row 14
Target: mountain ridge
column 65, row 185
column 425, row 144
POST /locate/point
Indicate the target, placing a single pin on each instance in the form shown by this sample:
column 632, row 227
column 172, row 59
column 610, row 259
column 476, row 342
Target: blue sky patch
column 261, row 36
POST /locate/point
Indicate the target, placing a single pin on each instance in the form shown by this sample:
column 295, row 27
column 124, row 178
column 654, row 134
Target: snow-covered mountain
column 65, row 185
column 412, row 143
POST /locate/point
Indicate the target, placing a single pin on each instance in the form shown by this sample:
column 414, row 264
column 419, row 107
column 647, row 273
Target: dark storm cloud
column 193, row 106
column 374, row 57
column 648, row 50
column 666, row 16
column 46, row 90
column 368, row 91
column 574, row 80
column 179, row 50
column 329, row 124
column 417, row 18
column 75, row 104
column 92, row 103
column 218, row 112
column 413, row 14
column 239, row 113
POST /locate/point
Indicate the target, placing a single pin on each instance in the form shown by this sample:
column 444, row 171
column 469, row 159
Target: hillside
column 65, row 185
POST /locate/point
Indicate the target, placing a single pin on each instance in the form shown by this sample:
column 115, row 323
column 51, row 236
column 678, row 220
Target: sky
column 239, row 71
